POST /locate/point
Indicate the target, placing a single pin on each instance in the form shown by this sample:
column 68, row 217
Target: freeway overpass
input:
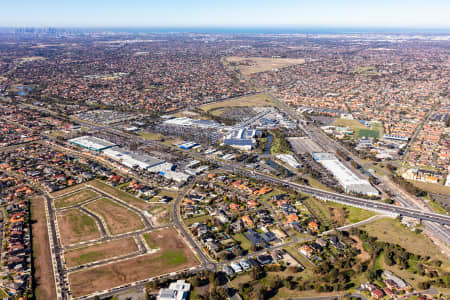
column 348, row 200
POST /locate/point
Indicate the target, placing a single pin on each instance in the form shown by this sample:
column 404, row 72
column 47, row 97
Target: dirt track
column 45, row 284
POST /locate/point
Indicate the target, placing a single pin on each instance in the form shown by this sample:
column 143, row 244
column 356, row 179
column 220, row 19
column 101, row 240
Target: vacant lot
column 75, row 226
column 252, row 100
column 392, row 231
column 354, row 124
column 43, row 269
column 97, row 252
column 174, row 255
column 251, row 65
column 121, row 195
column 118, row 218
column 75, row 198
column 160, row 214
column 432, row 187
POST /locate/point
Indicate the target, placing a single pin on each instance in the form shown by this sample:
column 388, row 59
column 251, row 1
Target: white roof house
column 177, row 291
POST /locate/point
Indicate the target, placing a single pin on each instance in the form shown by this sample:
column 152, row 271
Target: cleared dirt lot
column 118, row 219
column 75, row 226
column 174, row 255
column 160, row 214
column 75, row 198
column 251, row 65
column 102, row 251
column 43, row 275
column 121, row 195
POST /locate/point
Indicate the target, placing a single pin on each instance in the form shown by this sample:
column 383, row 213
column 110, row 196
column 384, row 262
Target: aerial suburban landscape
column 224, row 164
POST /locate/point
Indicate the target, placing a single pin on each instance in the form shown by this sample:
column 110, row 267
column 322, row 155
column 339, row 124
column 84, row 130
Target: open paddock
column 121, row 195
column 101, row 251
column 118, row 218
column 246, row 101
column 174, row 255
column 75, row 226
column 252, row 65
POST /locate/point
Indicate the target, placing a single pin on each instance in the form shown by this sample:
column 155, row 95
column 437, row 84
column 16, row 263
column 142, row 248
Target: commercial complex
column 241, row 138
column 92, row 143
column 131, row 159
column 188, row 122
column 346, row 178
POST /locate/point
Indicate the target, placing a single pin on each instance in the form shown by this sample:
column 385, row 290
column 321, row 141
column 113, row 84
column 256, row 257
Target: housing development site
column 106, row 239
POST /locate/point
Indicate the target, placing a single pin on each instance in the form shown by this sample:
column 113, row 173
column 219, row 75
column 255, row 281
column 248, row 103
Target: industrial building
column 187, row 145
column 166, row 169
column 131, row 159
column 241, row 138
column 396, row 137
column 346, row 178
column 92, row 143
column 289, row 159
column 188, row 122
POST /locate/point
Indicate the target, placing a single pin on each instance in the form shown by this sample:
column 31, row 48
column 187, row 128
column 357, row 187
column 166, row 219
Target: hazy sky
column 226, row 13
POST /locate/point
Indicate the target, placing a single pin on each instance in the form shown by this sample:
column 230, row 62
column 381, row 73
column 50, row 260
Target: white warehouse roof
column 131, row 159
column 92, row 143
column 349, row 181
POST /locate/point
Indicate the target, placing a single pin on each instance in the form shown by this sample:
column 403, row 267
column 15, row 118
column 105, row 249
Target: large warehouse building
column 346, row 178
column 131, row 159
column 92, row 143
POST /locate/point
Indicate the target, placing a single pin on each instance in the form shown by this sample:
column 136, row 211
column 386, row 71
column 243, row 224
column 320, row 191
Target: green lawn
column 355, row 214
column 317, row 184
column 89, row 257
column 172, row 257
column 244, row 242
column 437, row 208
column 82, row 223
column 368, row 133
column 3, row 294
column 150, row 242
column 190, row 221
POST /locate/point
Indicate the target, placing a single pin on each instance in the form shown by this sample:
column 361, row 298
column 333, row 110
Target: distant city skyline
column 230, row 13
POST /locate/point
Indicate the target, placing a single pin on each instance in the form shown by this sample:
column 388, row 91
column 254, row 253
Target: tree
column 257, row 273
column 218, row 293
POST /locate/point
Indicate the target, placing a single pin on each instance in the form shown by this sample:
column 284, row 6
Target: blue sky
column 226, row 13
